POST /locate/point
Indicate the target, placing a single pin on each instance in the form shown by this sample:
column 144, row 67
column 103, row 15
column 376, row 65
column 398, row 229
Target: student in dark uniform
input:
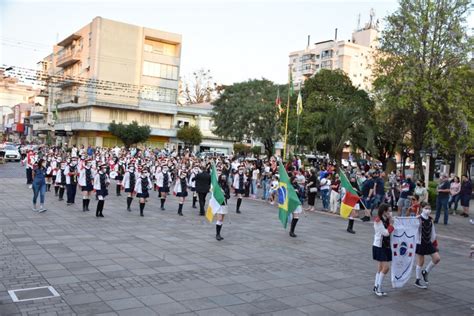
column 61, row 181
column 101, row 182
column 120, row 171
column 86, row 181
column 129, row 182
column 181, row 190
column 142, row 186
column 428, row 246
column 381, row 251
column 203, row 184
column 71, row 181
column 239, row 187
column 163, row 181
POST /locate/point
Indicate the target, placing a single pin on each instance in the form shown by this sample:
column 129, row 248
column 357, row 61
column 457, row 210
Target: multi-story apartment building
column 112, row 71
column 353, row 56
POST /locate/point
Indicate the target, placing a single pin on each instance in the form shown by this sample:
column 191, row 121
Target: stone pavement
column 163, row 264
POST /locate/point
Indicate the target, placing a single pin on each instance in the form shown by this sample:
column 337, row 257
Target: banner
column 403, row 242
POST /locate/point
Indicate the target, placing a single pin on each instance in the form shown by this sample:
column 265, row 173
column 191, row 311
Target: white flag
column 403, row 242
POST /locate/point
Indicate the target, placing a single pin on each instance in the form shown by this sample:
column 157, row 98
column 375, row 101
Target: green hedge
column 432, row 193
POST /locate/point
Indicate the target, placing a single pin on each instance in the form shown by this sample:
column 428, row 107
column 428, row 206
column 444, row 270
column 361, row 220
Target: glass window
column 160, row 70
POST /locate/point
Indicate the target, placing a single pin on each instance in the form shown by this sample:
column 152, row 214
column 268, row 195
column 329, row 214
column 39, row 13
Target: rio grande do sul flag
column 349, row 196
column 217, row 197
column 287, row 199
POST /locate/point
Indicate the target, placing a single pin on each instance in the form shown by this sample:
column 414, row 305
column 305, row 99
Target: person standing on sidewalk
column 142, row 186
column 334, row 199
column 442, row 199
column 312, row 186
column 86, row 181
column 203, row 185
column 466, row 193
column 129, row 181
column 239, row 187
column 454, row 194
column 39, row 185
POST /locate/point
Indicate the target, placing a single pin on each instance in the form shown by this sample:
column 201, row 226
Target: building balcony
column 68, row 58
column 64, row 83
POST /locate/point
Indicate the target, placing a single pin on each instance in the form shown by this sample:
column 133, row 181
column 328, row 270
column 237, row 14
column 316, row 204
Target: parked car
column 11, row 153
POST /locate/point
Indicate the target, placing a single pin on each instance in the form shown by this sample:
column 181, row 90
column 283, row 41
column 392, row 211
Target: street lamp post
column 427, row 153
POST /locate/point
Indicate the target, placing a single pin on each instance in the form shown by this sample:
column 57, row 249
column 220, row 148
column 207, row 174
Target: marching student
column 428, row 246
column 239, row 186
column 163, row 180
column 120, row 171
column 101, row 182
column 55, row 166
column 381, row 251
column 71, row 181
column 142, row 186
column 61, row 180
column 181, row 190
column 86, row 181
column 192, row 184
column 49, row 174
column 128, row 183
column 223, row 210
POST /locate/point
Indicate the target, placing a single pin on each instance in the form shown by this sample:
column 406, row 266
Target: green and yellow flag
column 288, row 200
column 217, row 196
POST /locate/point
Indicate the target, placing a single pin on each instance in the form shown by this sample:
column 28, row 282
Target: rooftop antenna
column 372, row 15
column 309, row 38
column 358, row 22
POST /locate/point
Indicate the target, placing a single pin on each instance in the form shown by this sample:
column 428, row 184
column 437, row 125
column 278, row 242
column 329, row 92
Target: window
column 160, row 48
column 182, row 124
column 160, row 70
column 158, row 94
column 118, row 115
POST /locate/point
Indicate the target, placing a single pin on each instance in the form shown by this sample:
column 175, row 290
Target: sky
column 236, row 40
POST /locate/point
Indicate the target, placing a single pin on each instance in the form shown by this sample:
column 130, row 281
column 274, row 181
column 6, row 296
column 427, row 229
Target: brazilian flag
column 288, row 201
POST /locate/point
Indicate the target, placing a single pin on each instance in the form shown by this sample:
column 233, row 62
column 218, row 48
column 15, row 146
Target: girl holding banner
column 381, row 250
column 428, row 246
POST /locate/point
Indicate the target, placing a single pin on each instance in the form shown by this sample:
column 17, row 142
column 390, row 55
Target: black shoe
column 194, row 206
column 292, row 234
column 201, row 214
column 219, row 238
column 180, row 213
column 87, row 210
column 162, row 208
column 238, row 212
column 350, row 230
column 424, row 274
column 129, row 209
column 142, row 215
column 101, row 215
column 420, row 285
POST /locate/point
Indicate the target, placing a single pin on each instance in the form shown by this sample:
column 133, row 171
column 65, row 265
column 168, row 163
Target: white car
column 11, row 153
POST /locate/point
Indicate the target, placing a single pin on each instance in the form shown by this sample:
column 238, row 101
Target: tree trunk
column 268, row 143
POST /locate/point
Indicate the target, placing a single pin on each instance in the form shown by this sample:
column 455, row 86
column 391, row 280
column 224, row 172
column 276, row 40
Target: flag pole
column 286, row 122
column 297, row 130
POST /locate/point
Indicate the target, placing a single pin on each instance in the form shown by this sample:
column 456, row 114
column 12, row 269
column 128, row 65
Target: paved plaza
column 163, row 264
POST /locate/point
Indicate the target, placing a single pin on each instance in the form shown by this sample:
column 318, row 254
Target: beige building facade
column 354, row 57
column 112, row 71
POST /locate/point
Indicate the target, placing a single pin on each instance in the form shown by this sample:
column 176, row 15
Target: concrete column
column 98, row 141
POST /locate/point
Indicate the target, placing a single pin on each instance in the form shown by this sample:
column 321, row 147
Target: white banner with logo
column 403, row 242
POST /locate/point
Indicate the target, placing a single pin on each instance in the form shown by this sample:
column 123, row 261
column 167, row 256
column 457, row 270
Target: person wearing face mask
column 163, row 180
column 129, row 182
column 86, row 181
column 142, row 186
column 421, row 191
column 192, row 184
column 427, row 246
column 181, row 190
column 55, row 164
column 61, row 180
column 119, row 169
column 239, row 187
column 71, row 181
column 101, row 182
column 49, row 173
column 381, row 251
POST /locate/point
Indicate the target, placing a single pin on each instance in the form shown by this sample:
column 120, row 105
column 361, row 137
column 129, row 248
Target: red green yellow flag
column 349, row 196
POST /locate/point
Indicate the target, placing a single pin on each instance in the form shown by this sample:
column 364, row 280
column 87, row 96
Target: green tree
column 190, row 135
column 130, row 134
column 424, row 42
column 241, row 149
column 247, row 110
column 334, row 113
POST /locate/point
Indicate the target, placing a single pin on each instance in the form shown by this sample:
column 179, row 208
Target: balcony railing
column 68, row 58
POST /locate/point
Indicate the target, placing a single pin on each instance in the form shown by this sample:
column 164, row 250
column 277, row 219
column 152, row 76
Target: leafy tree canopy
column 190, row 135
column 130, row 134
